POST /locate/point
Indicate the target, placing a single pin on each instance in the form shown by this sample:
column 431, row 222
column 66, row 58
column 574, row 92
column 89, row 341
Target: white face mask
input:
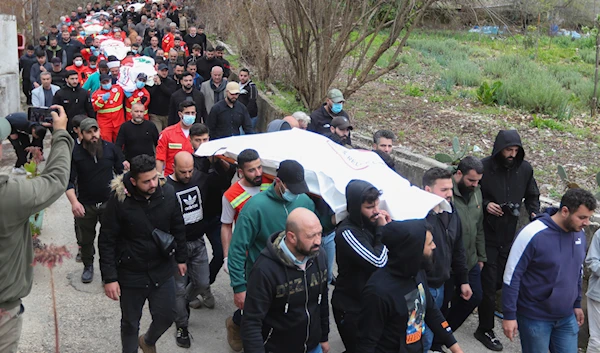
column 78, row 62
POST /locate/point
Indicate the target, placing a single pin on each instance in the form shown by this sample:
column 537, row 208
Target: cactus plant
column 458, row 153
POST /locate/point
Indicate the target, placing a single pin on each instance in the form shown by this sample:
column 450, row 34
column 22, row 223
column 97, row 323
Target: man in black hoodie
column 447, row 234
column 160, row 97
column 74, row 99
column 396, row 303
column 186, row 93
column 286, row 308
column 359, row 252
column 507, row 184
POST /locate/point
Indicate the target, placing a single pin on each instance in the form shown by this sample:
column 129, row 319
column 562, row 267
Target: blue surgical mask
column 82, row 33
column 106, row 86
column 96, row 53
column 104, row 31
column 337, row 107
column 289, row 196
column 134, row 51
column 140, row 84
column 189, row 120
column 92, row 66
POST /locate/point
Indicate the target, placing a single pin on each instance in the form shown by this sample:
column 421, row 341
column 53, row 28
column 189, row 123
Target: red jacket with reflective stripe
column 137, row 96
column 110, row 111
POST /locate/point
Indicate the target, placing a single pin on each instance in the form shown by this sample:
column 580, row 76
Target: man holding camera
column 507, row 185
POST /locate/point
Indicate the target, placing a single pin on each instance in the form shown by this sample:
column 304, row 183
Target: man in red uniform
column 78, row 66
column 168, row 40
column 140, row 95
column 175, row 138
column 108, row 104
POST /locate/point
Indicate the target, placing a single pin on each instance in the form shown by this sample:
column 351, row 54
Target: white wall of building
column 10, row 89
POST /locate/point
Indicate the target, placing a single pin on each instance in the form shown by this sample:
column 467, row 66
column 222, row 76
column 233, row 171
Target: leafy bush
column 487, row 94
column 444, row 51
column 588, row 55
column 464, row 73
column 458, row 152
column 413, row 90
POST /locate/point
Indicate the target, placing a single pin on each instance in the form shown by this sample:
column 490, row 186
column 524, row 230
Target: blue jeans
column 328, row 243
column 461, row 309
column 438, row 298
column 538, row 336
column 195, row 281
column 317, row 349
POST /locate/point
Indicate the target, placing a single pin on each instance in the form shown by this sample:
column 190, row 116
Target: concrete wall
column 9, row 66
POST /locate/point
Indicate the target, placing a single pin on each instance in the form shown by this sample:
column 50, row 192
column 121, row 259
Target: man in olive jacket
column 19, row 199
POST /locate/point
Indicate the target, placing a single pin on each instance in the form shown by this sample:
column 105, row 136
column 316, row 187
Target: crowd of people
column 125, row 161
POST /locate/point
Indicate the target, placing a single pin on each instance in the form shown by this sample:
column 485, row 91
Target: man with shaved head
column 291, row 256
column 292, row 121
column 199, row 200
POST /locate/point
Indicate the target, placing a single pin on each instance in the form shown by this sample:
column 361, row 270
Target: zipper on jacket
column 268, row 337
column 307, row 313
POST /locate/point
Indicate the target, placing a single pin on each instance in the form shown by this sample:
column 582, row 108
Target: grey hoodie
column 592, row 261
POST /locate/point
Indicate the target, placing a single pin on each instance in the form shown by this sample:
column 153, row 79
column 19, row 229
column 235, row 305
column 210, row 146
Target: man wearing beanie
column 396, row 303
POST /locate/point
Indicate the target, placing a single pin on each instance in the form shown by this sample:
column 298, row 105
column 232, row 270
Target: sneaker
column 19, row 171
column 208, row 299
column 196, row 303
column 489, row 340
column 182, row 337
column 146, row 348
column 234, row 337
column 88, row 274
column 78, row 257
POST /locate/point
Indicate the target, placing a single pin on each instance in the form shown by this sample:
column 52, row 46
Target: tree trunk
column 35, row 20
column 595, row 96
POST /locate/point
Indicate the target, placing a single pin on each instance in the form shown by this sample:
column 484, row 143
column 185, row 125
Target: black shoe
column 489, row 340
column 183, row 337
column 333, row 281
column 78, row 257
column 88, row 274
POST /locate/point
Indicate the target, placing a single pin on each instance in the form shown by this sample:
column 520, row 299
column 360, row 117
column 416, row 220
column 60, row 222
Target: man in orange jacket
column 168, row 40
column 108, row 104
column 140, row 95
column 78, row 66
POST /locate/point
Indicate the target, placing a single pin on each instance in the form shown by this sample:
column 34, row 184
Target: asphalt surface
column 89, row 321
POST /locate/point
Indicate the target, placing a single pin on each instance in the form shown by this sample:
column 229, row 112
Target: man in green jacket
column 469, row 205
column 263, row 215
column 16, row 249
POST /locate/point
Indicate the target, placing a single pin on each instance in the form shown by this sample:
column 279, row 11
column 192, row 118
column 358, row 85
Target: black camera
column 514, row 208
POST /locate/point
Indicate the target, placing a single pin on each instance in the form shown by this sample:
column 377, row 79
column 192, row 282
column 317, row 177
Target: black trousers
column 161, row 301
column 491, row 282
column 87, row 232
column 347, row 324
column 26, row 85
column 20, row 144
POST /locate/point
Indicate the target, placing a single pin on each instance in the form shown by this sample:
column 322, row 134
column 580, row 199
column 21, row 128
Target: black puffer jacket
column 396, row 302
column 128, row 253
column 286, row 309
column 504, row 185
column 358, row 251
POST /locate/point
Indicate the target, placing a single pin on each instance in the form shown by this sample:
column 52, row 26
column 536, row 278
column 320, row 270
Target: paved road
column 89, row 321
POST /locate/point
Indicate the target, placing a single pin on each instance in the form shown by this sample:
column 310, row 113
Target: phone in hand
column 40, row 115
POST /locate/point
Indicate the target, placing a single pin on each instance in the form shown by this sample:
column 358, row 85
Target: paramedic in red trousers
column 108, row 104
column 139, row 95
column 175, row 138
column 541, row 296
column 279, row 317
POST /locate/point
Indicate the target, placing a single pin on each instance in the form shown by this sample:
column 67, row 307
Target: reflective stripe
column 117, row 95
column 264, row 187
column 240, row 199
column 99, row 105
column 110, row 110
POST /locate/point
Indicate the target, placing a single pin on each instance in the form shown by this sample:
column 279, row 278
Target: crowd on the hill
column 136, row 88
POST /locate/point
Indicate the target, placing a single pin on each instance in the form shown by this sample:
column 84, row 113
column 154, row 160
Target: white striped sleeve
column 518, row 248
column 375, row 260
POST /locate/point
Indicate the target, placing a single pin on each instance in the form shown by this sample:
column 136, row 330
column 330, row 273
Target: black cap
column 43, row 38
column 105, row 77
column 56, row 60
column 341, row 122
column 163, row 66
column 291, row 173
column 103, row 64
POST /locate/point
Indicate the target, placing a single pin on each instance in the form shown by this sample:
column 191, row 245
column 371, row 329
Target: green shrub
column 444, row 51
column 487, row 94
column 588, row 55
column 464, row 73
column 413, row 90
column 566, row 76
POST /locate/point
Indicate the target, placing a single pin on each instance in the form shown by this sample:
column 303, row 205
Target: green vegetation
column 555, row 79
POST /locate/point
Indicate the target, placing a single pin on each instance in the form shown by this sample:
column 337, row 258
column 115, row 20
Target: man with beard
column 251, row 183
column 340, row 131
column 263, row 215
column 198, row 194
column 320, row 119
column 359, row 252
column 193, row 38
column 133, row 264
column 224, row 63
column 160, row 97
column 541, row 296
column 213, row 89
column 175, row 138
column 248, row 95
column 291, row 256
column 74, row 99
column 92, row 167
column 396, row 304
column 507, row 184
column 187, row 93
column 447, row 234
column 467, row 200
column 206, row 63
column 137, row 136
column 227, row 116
